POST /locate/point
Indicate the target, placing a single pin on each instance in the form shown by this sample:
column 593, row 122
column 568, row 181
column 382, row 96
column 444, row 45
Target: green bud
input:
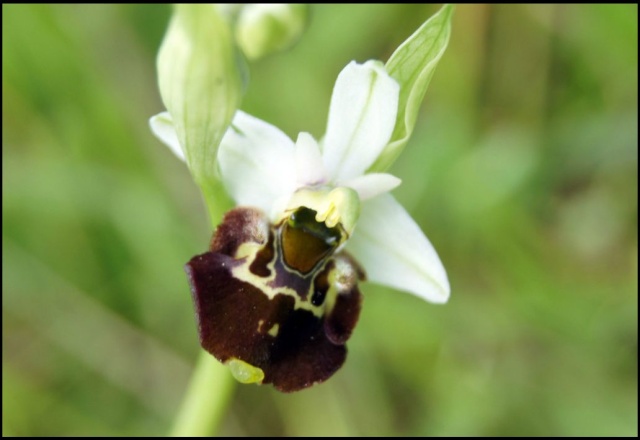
column 263, row 29
column 200, row 84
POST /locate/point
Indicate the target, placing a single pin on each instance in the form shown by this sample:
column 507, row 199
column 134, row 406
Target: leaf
column 412, row 65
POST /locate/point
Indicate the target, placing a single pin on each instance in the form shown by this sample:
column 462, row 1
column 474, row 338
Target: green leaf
column 200, row 84
column 412, row 65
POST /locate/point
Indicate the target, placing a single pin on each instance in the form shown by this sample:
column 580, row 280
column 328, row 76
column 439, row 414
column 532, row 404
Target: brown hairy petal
column 288, row 321
column 240, row 225
column 235, row 319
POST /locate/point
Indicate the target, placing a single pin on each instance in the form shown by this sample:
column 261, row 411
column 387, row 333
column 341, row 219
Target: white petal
column 394, row 251
column 373, row 184
column 310, row 169
column 162, row 126
column 256, row 162
column 362, row 116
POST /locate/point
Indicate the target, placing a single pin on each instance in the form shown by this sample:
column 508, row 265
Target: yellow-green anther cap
column 263, row 29
column 334, row 207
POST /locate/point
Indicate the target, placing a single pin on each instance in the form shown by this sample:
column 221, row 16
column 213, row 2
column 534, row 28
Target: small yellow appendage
column 244, row 372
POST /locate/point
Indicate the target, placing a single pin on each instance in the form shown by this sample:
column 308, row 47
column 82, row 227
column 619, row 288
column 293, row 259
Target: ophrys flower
column 277, row 294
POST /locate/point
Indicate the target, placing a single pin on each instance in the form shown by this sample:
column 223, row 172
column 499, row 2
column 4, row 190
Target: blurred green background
column 522, row 171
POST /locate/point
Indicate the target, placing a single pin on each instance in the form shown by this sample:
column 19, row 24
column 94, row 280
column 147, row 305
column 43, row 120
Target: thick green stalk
column 211, row 386
column 206, row 399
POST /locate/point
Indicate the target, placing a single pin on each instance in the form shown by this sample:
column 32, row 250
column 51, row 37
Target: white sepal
column 371, row 185
column 394, row 251
column 257, row 162
column 162, row 127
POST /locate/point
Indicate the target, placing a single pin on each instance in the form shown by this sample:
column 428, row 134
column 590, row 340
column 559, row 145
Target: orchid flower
column 276, row 295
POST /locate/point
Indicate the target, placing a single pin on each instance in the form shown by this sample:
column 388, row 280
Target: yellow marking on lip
column 273, row 331
column 249, row 251
column 339, row 277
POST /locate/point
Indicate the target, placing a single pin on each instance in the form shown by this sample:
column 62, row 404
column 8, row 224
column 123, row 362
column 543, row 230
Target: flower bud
column 200, row 84
column 263, row 29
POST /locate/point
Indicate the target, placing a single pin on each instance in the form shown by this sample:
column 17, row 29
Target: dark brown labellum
column 277, row 297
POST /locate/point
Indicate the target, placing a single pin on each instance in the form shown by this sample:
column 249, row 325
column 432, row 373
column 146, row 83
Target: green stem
column 216, row 200
column 206, row 399
column 211, row 385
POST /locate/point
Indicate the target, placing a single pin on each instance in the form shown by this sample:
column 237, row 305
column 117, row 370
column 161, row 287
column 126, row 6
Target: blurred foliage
column 522, row 171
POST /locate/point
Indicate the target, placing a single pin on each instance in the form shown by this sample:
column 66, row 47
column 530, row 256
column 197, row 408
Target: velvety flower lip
column 253, row 311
